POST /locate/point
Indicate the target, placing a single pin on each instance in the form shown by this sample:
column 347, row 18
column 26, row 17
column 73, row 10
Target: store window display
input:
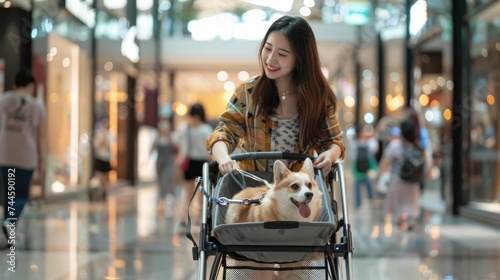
column 484, row 165
column 69, row 128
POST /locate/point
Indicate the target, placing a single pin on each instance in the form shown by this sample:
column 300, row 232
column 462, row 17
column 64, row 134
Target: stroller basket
column 247, row 270
column 279, row 233
column 275, row 249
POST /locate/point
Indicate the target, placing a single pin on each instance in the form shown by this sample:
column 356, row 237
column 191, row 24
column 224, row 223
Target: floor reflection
column 125, row 238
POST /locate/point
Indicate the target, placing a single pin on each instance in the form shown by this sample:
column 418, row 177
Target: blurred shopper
column 423, row 138
column 403, row 196
column 364, row 149
column 22, row 146
column 384, row 177
column 192, row 155
column 102, row 154
column 289, row 107
column 166, row 149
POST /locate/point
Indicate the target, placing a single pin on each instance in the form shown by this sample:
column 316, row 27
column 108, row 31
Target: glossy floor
column 126, row 239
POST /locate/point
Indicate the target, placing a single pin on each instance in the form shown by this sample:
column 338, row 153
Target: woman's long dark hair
column 197, row 109
column 409, row 133
column 313, row 91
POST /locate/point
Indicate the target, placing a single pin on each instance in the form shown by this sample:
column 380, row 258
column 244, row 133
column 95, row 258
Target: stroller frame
column 338, row 247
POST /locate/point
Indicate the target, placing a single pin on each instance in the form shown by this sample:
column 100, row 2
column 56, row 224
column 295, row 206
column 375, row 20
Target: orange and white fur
column 294, row 196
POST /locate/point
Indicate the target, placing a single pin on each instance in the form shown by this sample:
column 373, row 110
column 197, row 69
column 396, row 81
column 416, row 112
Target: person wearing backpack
column 364, row 150
column 405, row 160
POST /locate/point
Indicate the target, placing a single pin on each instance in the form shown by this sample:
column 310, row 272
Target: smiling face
column 277, row 57
column 301, row 193
column 297, row 194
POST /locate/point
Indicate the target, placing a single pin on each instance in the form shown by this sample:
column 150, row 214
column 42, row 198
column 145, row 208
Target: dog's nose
column 309, row 195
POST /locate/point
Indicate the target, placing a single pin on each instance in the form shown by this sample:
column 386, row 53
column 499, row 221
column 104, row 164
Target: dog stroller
column 271, row 250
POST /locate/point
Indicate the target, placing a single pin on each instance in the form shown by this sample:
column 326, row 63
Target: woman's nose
column 271, row 59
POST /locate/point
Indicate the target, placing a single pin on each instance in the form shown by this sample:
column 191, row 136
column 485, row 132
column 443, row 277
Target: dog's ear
column 279, row 170
column 308, row 167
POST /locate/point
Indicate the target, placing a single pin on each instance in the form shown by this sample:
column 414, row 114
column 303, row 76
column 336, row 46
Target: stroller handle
column 263, row 155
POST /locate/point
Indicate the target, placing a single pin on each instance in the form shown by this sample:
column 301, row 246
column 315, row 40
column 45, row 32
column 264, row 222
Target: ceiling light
column 129, row 48
column 115, row 4
column 229, row 86
column 254, row 15
column 222, row 76
column 243, row 75
column 144, row 5
column 164, row 6
column 418, row 16
column 305, row 11
column 108, row 66
column 66, row 62
column 309, row 3
column 282, row 5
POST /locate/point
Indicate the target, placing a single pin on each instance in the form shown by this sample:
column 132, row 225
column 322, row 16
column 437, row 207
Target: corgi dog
column 294, row 196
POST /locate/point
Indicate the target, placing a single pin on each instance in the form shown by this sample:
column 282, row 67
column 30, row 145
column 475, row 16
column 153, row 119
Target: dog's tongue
column 304, row 210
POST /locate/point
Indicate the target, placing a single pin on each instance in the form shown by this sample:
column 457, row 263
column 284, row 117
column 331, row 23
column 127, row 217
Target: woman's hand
column 326, row 159
column 228, row 166
column 324, row 163
column 221, row 155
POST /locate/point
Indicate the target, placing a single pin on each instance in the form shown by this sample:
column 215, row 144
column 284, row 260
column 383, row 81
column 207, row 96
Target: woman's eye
column 295, row 186
column 282, row 55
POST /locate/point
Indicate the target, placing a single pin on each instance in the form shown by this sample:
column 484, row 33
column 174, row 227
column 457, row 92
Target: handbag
column 185, row 164
column 383, row 183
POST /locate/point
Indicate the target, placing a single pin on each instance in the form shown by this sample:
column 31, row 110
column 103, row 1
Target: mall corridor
column 125, row 239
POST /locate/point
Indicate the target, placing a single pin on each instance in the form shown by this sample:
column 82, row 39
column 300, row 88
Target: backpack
column 363, row 158
column 412, row 167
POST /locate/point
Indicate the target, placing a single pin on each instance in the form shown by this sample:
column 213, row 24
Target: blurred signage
column 359, row 12
column 129, row 47
column 418, row 17
column 82, row 9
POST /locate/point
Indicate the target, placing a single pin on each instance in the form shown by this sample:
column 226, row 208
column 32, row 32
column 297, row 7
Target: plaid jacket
column 239, row 128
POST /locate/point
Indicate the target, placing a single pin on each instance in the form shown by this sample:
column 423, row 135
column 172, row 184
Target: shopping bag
column 184, row 164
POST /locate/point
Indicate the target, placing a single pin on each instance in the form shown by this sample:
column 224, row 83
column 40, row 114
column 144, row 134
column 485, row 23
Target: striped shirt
column 241, row 127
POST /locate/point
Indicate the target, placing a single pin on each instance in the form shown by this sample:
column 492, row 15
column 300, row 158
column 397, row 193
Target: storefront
column 430, row 39
column 15, row 46
column 62, row 56
column 483, row 165
column 116, row 88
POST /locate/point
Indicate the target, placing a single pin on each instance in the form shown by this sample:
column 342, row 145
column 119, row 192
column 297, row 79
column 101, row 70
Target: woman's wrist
column 220, row 152
column 334, row 153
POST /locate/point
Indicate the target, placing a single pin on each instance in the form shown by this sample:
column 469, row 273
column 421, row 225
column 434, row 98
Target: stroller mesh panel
column 248, row 270
column 255, row 234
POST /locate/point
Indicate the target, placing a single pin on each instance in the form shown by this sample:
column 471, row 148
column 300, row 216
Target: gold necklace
column 283, row 95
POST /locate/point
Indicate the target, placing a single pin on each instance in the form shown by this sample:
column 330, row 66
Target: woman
column 102, row 154
column 364, row 149
column 166, row 149
column 192, row 138
column 403, row 196
column 290, row 107
column 22, row 146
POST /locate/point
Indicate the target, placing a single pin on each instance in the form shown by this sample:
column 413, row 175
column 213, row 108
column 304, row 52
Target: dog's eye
column 295, row 187
column 310, row 185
